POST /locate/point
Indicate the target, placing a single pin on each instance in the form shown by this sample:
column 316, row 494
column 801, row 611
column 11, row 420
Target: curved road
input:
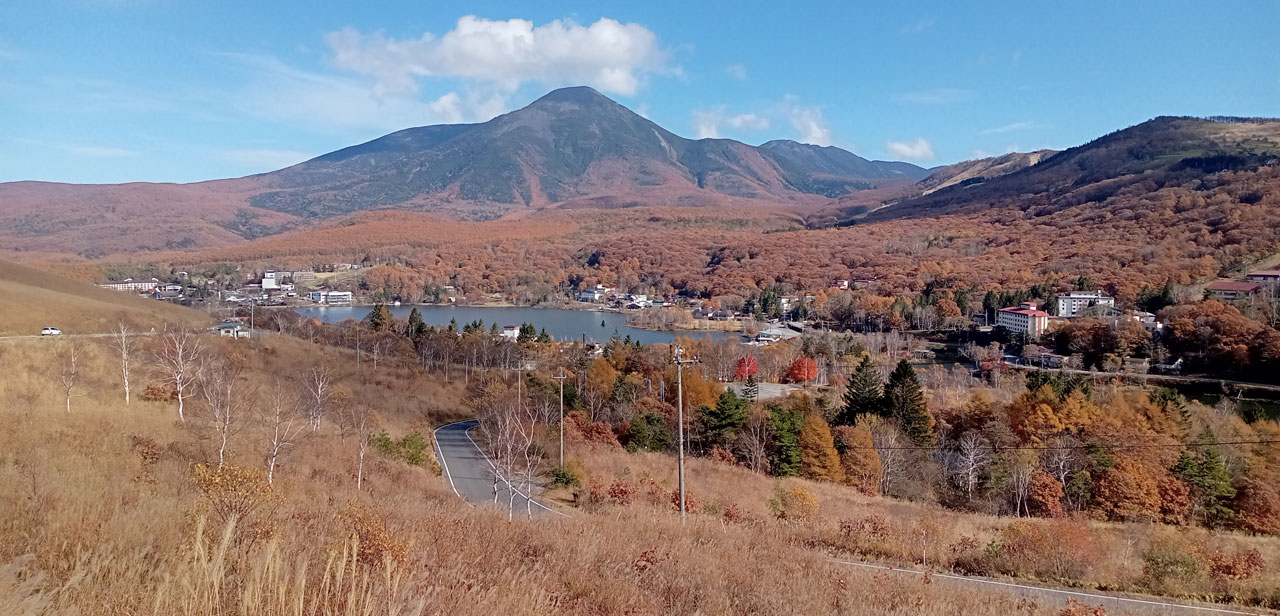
column 470, row 472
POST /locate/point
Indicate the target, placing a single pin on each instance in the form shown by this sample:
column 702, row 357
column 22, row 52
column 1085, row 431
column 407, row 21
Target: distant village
column 1025, row 324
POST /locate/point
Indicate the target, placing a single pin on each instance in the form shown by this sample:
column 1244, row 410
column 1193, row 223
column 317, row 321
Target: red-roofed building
column 1025, row 319
column 1229, row 290
column 1272, row 276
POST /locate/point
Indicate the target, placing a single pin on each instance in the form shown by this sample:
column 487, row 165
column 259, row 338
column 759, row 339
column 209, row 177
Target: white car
column 50, row 331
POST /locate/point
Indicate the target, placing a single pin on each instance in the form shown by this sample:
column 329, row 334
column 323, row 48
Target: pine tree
column 784, row 458
column 416, row 328
column 543, row 336
column 1209, row 480
column 725, row 419
column 862, row 396
column 904, row 399
column 818, row 457
column 751, row 389
column 380, row 317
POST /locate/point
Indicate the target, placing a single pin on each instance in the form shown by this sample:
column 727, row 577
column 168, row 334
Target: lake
column 561, row 324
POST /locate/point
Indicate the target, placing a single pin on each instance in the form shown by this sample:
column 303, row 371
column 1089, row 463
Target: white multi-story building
column 1025, row 319
column 331, row 297
column 1071, row 304
column 129, row 284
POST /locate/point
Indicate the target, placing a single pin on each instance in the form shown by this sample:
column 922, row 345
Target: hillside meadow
column 118, row 509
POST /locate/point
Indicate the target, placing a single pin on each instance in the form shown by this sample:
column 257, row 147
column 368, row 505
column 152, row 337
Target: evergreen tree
column 991, row 305
column 543, row 336
column 723, row 421
column 862, row 395
column 784, row 458
column 527, row 333
column 380, row 317
column 751, row 389
column 904, row 399
column 416, row 328
column 1209, row 480
column 494, row 330
column 649, row 432
column 453, row 325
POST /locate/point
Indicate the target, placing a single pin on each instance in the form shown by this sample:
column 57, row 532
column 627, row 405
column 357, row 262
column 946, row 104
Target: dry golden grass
column 31, row 299
column 850, row 525
column 100, row 513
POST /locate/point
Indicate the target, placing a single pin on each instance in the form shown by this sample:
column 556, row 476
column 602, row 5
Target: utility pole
column 561, row 378
column 680, row 362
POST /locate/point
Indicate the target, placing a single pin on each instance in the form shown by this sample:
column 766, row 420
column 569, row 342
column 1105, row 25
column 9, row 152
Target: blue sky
column 186, row 90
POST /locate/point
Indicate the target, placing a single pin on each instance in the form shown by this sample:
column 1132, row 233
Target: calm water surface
column 560, row 323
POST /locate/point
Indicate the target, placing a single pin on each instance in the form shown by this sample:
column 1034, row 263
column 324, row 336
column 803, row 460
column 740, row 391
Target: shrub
column 375, row 543
column 1238, row 566
column 793, row 503
column 1063, row 549
column 733, row 514
column 1169, row 560
column 159, row 392
column 412, row 449
column 873, row 527
column 565, row 477
column 690, row 501
column 241, row 495
column 621, row 492
column 720, row 454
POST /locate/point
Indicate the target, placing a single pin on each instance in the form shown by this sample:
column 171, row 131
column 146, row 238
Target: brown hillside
column 31, row 299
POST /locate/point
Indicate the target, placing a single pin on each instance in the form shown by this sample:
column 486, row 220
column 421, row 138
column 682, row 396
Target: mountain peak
column 578, row 95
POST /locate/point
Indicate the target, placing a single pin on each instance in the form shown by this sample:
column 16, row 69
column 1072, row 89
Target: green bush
column 565, row 478
column 410, row 449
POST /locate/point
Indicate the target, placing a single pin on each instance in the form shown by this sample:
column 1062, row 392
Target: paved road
column 470, row 473
column 66, row 335
column 1047, row 596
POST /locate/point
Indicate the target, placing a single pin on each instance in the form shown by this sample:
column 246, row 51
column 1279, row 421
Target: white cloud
column 936, row 96
column 737, row 71
column 808, row 122
column 265, row 159
column 707, row 122
column 609, row 55
column 916, row 149
column 1008, row 128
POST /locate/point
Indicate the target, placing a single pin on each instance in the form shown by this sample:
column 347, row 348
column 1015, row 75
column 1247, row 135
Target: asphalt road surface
column 470, row 473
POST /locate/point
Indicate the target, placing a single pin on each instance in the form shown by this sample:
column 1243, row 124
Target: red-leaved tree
column 747, row 366
column 804, row 370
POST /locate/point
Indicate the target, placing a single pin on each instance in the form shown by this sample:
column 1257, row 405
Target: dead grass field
column 849, row 525
column 100, row 512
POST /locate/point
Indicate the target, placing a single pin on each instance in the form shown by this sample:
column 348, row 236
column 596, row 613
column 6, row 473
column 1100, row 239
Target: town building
column 594, row 294
column 129, row 284
column 232, row 329
column 331, row 297
column 840, row 284
column 303, row 276
column 1026, row 319
column 1231, row 290
column 1264, row 276
column 1072, row 304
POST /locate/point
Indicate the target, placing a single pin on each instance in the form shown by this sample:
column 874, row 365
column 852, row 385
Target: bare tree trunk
column 122, row 341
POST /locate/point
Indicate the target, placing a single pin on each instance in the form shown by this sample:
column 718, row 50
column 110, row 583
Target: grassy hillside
column 105, row 510
column 31, row 299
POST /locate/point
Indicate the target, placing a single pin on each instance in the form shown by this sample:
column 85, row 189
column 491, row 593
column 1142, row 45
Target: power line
column 1084, row 447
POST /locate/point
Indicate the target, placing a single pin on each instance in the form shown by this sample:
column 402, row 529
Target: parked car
column 50, row 331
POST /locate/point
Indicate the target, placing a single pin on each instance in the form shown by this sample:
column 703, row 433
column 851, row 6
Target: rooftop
column 1233, row 285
